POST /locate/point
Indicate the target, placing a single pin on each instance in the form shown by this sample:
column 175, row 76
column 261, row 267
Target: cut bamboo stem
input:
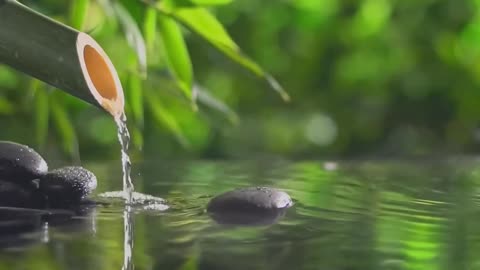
column 58, row 55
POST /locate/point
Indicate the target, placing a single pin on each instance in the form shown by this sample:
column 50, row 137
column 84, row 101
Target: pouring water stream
column 128, row 188
column 124, row 138
column 132, row 199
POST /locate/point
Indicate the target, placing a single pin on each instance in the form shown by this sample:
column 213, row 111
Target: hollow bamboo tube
column 58, row 55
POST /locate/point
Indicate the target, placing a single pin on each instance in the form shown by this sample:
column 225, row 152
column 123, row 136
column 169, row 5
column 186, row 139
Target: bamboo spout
column 58, row 55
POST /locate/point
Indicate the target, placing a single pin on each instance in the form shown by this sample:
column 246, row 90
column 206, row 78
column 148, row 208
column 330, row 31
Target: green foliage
column 211, row 2
column 154, row 32
column 164, row 117
column 369, row 76
column 6, row 107
column 41, row 112
column 63, row 125
column 150, row 27
column 203, row 23
column 78, row 13
column 176, row 54
column 133, row 35
column 135, row 99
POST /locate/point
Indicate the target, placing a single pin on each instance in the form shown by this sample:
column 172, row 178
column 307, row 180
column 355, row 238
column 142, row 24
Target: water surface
column 347, row 215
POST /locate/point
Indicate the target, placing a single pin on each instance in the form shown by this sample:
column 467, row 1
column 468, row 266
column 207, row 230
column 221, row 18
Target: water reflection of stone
column 248, row 218
column 14, row 195
column 21, row 228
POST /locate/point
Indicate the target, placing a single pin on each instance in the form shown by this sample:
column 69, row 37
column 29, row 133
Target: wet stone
column 20, row 164
column 250, row 199
column 67, row 185
column 255, row 206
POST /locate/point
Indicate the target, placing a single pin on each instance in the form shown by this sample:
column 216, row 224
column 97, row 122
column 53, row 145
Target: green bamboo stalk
column 58, row 55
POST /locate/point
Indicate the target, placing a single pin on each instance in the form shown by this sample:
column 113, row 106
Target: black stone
column 250, row 199
column 20, row 164
column 249, row 206
column 67, row 185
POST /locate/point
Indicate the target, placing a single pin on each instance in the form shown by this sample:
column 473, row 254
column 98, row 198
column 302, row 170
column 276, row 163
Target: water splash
column 124, row 138
column 128, row 195
column 139, row 201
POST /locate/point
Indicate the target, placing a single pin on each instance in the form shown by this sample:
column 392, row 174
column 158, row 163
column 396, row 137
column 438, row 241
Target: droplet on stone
column 68, row 185
column 20, row 164
column 253, row 198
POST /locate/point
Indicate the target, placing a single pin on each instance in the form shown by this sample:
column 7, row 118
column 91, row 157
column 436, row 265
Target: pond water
column 347, row 215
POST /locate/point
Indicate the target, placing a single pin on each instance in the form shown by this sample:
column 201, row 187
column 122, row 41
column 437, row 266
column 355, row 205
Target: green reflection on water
column 350, row 215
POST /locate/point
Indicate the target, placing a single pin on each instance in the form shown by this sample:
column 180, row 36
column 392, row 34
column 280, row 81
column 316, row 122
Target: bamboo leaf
column 203, row 23
column 190, row 264
column 210, row 2
column 176, row 53
column 6, row 107
column 137, row 137
column 135, row 8
column 209, row 100
column 150, row 27
column 78, row 13
column 133, row 35
column 63, row 126
column 191, row 3
column 136, row 98
column 165, row 118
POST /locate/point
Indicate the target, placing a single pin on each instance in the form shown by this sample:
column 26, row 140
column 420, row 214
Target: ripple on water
column 139, row 201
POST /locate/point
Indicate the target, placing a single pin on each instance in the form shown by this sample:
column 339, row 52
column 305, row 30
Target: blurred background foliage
column 366, row 77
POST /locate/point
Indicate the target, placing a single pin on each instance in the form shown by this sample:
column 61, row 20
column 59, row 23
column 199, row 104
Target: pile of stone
column 25, row 180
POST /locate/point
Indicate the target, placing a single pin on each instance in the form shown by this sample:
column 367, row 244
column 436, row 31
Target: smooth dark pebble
column 250, row 199
column 20, row 164
column 67, row 185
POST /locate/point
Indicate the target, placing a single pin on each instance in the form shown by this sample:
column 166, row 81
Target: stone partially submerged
column 26, row 182
column 68, row 185
column 252, row 198
column 249, row 206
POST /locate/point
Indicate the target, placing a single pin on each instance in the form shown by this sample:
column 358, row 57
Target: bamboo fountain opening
column 100, row 75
